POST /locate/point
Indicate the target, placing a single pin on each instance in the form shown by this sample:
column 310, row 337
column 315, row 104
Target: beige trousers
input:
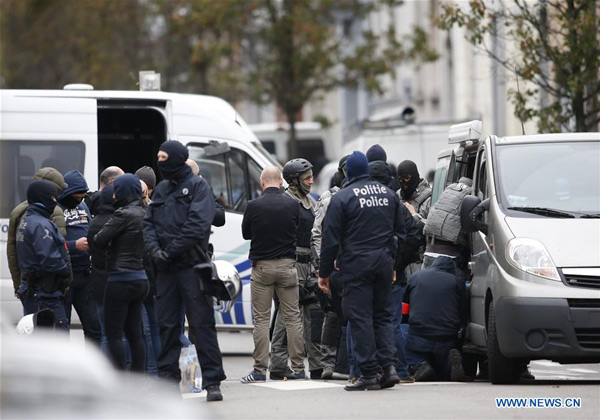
column 281, row 276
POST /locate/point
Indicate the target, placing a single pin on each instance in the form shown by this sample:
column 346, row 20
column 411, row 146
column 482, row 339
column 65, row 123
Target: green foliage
column 558, row 52
column 300, row 52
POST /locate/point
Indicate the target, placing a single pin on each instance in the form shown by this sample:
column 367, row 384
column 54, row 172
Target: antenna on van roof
column 519, row 91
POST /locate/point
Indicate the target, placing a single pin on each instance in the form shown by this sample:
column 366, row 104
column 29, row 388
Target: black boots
column 371, row 383
column 389, row 377
column 213, row 393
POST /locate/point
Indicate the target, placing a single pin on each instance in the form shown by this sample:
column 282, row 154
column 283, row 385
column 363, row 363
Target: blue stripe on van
column 239, row 313
column 243, row 266
column 227, row 318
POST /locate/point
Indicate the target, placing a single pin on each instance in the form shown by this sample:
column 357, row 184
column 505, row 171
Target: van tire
column 502, row 370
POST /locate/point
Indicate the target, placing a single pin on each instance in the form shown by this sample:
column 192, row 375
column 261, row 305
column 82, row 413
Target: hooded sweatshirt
column 58, row 218
column 437, row 300
column 77, row 220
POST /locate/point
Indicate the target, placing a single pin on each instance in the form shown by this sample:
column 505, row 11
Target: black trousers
column 367, row 304
column 176, row 289
column 123, row 313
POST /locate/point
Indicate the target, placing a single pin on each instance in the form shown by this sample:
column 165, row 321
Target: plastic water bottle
column 191, row 375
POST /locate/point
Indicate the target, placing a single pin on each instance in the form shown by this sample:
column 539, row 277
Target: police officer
column 363, row 220
column 176, row 233
column 42, row 254
column 443, row 230
column 54, row 177
column 330, row 303
column 299, row 176
column 416, row 195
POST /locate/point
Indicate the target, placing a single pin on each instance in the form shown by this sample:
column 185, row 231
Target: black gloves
column 161, row 259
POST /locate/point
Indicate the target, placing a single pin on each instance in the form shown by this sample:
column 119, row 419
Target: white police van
column 87, row 130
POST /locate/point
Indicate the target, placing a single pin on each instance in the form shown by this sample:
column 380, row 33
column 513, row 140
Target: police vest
column 305, row 223
column 443, row 221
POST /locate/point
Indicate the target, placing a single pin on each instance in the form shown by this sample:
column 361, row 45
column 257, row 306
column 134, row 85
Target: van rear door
column 36, row 132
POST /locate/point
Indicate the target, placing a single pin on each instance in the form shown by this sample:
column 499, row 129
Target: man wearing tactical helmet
column 299, row 176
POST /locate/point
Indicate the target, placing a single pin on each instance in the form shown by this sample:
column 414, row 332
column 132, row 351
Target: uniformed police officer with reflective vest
column 299, row 176
column 42, row 255
column 364, row 224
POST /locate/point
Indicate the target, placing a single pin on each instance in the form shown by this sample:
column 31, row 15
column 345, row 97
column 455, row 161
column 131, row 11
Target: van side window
column 482, row 181
column 21, row 159
column 237, row 179
column 233, row 176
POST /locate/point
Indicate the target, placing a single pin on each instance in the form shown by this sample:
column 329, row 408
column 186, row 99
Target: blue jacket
column 438, row 301
column 40, row 246
column 77, row 221
column 361, row 224
column 179, row 217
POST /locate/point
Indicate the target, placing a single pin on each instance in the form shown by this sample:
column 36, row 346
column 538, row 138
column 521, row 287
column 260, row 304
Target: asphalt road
column 328, row 400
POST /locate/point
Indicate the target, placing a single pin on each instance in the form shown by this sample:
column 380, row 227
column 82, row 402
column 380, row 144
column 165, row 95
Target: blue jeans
column 353, row 369
column 435, row 353
column 151, row 336
column 399, row 339
column 79, row 296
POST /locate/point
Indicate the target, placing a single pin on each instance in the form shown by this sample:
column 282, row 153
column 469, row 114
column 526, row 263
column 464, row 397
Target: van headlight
column 532, row 257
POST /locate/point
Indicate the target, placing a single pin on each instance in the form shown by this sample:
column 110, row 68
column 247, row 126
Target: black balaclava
column 174, row 168
column 338, row 178
column 41, row 194
column 407, row 188
column 376, row 152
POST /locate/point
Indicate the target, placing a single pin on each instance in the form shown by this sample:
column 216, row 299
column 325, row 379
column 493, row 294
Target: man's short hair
column 271, row 175
column 109, row 174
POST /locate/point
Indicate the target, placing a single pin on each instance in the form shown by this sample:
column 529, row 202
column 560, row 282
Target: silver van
column 534, row 219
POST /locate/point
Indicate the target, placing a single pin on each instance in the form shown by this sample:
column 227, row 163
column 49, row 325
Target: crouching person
column 437, row 304
column 42, row 255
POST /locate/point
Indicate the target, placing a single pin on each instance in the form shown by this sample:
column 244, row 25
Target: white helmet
column 220, row 282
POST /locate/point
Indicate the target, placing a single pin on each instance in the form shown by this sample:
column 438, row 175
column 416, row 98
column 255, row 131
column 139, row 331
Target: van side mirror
column 215, row 149
column 471, row 211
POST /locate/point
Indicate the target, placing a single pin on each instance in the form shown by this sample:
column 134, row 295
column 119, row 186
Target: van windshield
column 550, row 179
column 266, row 154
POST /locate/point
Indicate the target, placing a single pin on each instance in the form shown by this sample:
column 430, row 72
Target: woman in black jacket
column 127, row 284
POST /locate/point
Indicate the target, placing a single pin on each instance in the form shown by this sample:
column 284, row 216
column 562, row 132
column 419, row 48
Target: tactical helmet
column 220, row 282
column 294, row 168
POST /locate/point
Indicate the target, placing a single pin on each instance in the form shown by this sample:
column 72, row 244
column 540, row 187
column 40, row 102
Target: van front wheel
column 502, row 370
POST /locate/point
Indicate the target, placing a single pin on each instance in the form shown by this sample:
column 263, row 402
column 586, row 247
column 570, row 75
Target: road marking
column 296, row 385
column 582, row 370
column 190, row 395
column 545, row 363
column 435, row 383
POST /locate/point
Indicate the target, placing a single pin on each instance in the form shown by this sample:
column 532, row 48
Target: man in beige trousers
column 270, row 223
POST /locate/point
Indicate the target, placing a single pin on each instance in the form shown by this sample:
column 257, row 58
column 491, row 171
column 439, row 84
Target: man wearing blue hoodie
column 364, row 224
column 77, row 218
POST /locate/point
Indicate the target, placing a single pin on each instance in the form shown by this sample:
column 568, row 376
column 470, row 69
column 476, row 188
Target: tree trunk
column 292, row 141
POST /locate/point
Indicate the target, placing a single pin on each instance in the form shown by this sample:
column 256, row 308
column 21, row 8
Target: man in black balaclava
column 42, row 255
column 176, row 230
column 379, row 169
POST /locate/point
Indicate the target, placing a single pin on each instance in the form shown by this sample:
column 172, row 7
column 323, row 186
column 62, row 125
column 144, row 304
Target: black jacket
column 363, row 218
column 270, row 222
column 98, row 255
column 124, row 238
column 438, row 301
column 40, row 247
column 179, row 218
